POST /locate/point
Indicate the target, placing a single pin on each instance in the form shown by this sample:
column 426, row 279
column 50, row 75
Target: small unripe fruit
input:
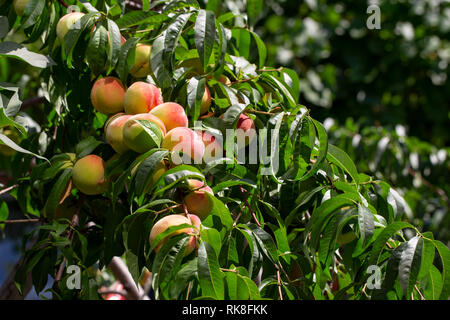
column 245, row 130
column 197, row 201
column 344, row 238
column 114, row 132
column 141, row 67
column 88, row 175
column 66, row 22
column 19, row 6
column 107, row 95
column 184, row 140
column 176, row 220
column 141, row 97
column 159, row 171
column 172, row 114
column 206, row 101
column 137, row 138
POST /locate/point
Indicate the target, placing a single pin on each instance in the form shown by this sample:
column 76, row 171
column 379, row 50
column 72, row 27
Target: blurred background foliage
column 383, row 94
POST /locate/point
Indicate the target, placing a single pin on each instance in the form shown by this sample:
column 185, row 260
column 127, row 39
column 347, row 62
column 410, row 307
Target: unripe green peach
column 114, row 132
column 176, row 220
column 107, row 95
column 159, row 171
column 213, row 147
column 141, row 67
column 197, row 202
column 206, row 101
column 65, row 210
column 66, row 22
column 184, row 140
column 137, row 138
column 19, row 6
column 13, row 135
column 344, row 238
column 172, row 114
column 141, row 97
column 245, row 130
column 88, row 175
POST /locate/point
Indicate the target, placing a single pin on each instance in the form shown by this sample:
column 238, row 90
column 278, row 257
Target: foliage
column 309, row 230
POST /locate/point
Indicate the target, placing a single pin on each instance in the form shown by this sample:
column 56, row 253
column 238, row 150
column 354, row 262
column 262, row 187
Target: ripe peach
column 197, row 202
column 141, row 97
column 141, row 67
column 188, row 142
column 206, row 101
column 19, row 6
column 114, row 132
column 245, row 130
column 176, row 220
column 213, row 147
column 137, row 138
column 66, row 22
column 172, row 114
column 88, row 175
column 107, row 95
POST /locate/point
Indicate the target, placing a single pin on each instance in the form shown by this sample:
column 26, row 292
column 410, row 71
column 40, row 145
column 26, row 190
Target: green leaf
column 342, row 160
column 366, row 222
column 265, row 242
column 144, row 173
column 187, row 273
column 18, row 148
column 409, row 264
column 57, row 191
column 427, row 255
column 126, row 58
column 212, row 237
column 4, row 26
column 14, row 50
column 262, row 51
column 383, row 237
column 209, row 274
column 434, row 284
column 32, row 12
column 205, row 35
column 86, row 146
column 114, row 46
column 95, row 51
column 444, row 253
column 254, row 8
column 195, row 92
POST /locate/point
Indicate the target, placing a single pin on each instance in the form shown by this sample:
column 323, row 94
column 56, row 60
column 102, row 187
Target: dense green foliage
column 309, row 230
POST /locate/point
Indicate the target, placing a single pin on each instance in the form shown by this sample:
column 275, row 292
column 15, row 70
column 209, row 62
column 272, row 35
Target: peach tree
column 161, row 152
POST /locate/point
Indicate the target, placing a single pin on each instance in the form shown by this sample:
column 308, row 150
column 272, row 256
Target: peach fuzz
column 197, row 202
column 172, row 114
column 114, row 132
column 187, row 141
column 141, row 97
column 176, row 220
column 88, row 175
column 64, row 24
column 137, row 138
column 107, row 95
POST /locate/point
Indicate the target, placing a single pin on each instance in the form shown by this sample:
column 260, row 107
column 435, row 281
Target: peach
column 141, row 97
column 137, row 138
column 172, row 114
column 159, row 171
column 197, row 202
column 66, row 22
column 141, row 67
column 114, row 132
column 107, row 95
column 206, row 101
column 213, row 147
column 176, row 220
column 188, row 142
column 245, row 130
column 88, row 175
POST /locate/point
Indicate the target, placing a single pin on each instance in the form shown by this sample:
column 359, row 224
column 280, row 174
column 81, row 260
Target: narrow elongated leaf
column 209, row 274
column 57, row 191
column 115, row 40
column 409, row 265
column 444, row 253
column 434, row 284
column 342, row 160
column 205, row 35
column 18, row 148
column 254, row 8
column 15, row 50
column 366, row 222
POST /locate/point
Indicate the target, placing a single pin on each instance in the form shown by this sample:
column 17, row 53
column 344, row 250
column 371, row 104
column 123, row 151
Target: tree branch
column 19, row 221
column 8, row 189
column 121, row 273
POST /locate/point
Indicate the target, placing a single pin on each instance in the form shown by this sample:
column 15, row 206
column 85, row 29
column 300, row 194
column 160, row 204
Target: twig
column 121, row 273
column 420, row 293
column 19, row 221
column 167, row 209
column 249, row 208
column 279, row 284
column 8, row 189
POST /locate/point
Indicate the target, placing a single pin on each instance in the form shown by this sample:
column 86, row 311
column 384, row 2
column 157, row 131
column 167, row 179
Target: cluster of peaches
column 140, row 120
